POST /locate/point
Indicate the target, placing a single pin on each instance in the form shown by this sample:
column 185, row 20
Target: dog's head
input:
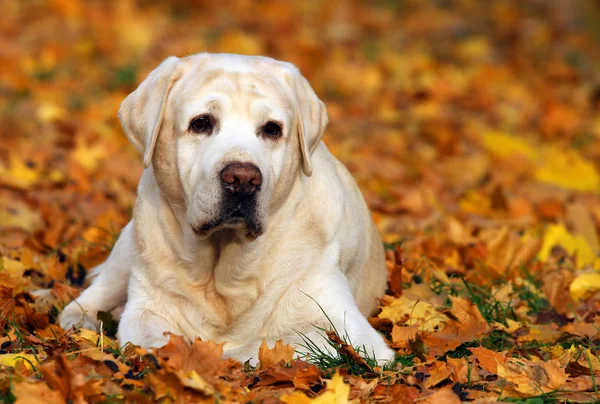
column 226, row 135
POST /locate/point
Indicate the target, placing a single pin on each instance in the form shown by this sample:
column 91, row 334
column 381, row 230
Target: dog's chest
column 216, row 302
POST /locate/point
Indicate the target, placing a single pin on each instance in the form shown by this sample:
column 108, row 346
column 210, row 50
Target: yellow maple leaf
column 337, row 393
column 505, row 145
column 557, row 234
column 13, row 267
column 475, row 202
column 12, row 359
column 585, row 285
column 88, row 156
column 568, row 169
column 19, row 174
column 95, row 338
column 18, row 215
column 49, row 112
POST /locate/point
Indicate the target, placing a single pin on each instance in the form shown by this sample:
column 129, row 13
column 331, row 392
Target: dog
column 245, row 227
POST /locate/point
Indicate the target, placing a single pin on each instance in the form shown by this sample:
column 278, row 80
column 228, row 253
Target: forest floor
column 472, row 128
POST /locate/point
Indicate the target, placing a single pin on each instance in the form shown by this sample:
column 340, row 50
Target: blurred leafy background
column 472, row 127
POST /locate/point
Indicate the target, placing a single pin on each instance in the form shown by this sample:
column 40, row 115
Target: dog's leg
column 108, row 290
column 145, row 328
column 331, row 306
column 148, row 315
column 326, row 304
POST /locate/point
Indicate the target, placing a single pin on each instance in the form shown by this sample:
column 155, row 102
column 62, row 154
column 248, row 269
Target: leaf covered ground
column 472, row 128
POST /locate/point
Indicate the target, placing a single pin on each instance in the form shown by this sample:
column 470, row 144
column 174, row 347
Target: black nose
column 243, row 178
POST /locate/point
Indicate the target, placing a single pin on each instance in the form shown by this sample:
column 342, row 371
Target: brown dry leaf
column 403, row 310
column 299, row 374
column 591, row 330
column 488, row 359
column 580, row 219
column 7, row 304
column 443, row 395
column 438, row 372
column 422, row 292
column 202, row 357
column 528, row 378
column 346, row 349
column 580, row 383
column 402, row 335
column 540, row 333
column 470, row 326
column 588, row 360
column 74, row 379
column 306, row 376
column 508, row 250
column 556, row 289
column 166, row 384
column 395, row 275
column 268, row 357
column 575, row 397
column 463, row 371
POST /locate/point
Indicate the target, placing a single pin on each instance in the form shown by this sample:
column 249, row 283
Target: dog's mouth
column 239, row 214
column 253, row 228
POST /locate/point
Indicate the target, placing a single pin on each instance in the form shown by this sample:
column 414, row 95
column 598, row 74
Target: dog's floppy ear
column 142, row 112
column 311, row 120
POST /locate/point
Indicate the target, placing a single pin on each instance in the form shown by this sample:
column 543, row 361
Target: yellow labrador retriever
column 244, row 221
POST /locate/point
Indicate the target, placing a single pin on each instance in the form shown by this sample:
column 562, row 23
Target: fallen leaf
column 348, row 350
column 557, row 234
column 488, row 360
column 585, row 285
column 438, row 372
column 298, row 374
column 533, row 378
column 567, row 169
column 202, row 357
column 12, row 359
column 337, row 392
column 402, row 310
column 443, row 395
column 36, row 393
column 268, row 357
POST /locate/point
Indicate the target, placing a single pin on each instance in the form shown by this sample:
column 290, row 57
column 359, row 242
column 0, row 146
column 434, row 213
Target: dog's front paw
column 377, row 349
column 384, row 356
column 75, row 315
column 145, row 328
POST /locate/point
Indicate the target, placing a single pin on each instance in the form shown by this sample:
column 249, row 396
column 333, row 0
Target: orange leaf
column 269, row 357
column 203, row 357
column 488, row 359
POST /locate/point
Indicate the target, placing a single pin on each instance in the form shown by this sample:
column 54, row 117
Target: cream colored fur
column 318, row 241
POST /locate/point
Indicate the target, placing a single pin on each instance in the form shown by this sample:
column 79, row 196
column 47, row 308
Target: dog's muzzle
column 241, row 183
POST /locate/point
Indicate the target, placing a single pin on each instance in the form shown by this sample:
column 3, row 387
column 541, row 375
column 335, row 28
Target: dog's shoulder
column 332, row 193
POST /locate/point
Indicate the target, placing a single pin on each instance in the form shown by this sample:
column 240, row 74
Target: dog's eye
column 202, row 124
column 272, row 129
